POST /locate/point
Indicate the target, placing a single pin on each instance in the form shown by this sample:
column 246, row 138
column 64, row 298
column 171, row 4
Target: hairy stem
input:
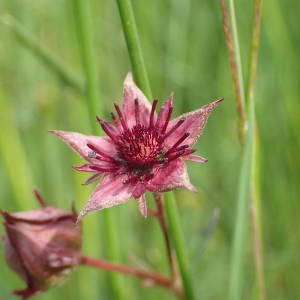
column 159, row 214
column 155, row 277
column 178, row 241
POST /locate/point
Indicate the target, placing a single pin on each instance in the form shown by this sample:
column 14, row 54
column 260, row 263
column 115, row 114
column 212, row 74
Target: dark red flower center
column 141, row 147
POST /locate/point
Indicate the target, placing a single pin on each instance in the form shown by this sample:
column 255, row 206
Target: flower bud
column 42, row 246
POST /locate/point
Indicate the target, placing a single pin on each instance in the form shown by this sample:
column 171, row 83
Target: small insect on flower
column 143, row 151
column 42, row 246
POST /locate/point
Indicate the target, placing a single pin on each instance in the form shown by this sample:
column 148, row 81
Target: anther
column 122, row 120
column 179, row 122
column 178, row 142
column 108, row 128
column 167, row 120
column 114, row 118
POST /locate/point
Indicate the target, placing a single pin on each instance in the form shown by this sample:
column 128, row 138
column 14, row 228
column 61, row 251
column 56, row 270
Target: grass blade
column 178, row 241
column 14, row 157
column 255, row 217
column 241, row 222
column 85, row 34
column 52, row 62
column 134, row 47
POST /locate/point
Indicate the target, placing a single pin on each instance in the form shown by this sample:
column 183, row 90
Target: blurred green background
column 185, row 53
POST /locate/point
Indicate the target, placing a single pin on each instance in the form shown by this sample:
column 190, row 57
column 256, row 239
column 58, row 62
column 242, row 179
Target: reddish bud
column 42, row 246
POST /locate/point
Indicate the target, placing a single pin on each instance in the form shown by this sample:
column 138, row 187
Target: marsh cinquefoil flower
column 42, row 246
column 142, row 151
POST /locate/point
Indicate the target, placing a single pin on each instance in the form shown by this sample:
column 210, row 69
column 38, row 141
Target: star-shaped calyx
column 142, row 150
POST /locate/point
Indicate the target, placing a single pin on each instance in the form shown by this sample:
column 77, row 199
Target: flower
column 42, row 246
column 142, row 151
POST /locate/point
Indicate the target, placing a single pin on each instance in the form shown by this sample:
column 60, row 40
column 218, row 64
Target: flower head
column 42, row 246
column 143, row 151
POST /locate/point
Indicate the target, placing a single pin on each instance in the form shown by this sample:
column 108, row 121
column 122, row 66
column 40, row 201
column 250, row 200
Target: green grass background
column 185, row 53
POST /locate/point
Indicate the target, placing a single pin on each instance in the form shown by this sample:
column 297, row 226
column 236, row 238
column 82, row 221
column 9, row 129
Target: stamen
column 137, row 111
column 107, row 129
column 170, row 158
column 163, row 130
column 84, row 168
column 113, row 116
column 179, row 122
column 124, row 125
column 152, row 113
column 178, row 143
column 92, row 178
column 102, row 169
column 190, row 151
column 183, row 147
column 103, row 155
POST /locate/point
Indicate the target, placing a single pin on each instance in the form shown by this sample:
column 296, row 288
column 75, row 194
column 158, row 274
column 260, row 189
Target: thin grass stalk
column 139, row 71
column 134, row 47
column 241, row 222
column 51, row 61
column 256, row 219
column 177, row 47
column 232, row 42
column 85, row 34
column 236, row 276
column 256, row 225
column 247, row 175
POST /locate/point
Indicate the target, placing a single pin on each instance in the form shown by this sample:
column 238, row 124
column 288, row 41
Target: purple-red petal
column 130, row 94
column 194, row 124
column 171, row 176
column 143, row 206
column 164, row 115
column 84, row 168
column 78, row 142
column 196, row 158
column 109, row 192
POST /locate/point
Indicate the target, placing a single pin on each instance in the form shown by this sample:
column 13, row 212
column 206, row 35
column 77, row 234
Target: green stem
column 256, row 227
column 178, row 241
column 43, row 54
column 85, row 33
column 241, row 219
column 12, row 151
column 256, row 216
column 236, row 69
column 241, row 223
column 134, row 47
column 137, row 61
column 248, row 180
column 237, row 50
